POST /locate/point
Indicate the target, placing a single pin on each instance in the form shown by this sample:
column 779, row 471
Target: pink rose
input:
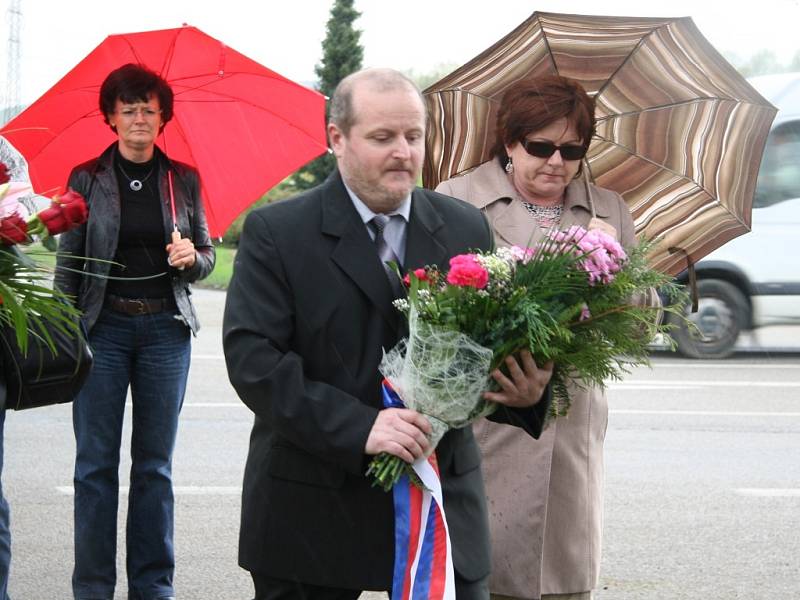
column 466, row 271
column 601, row 255
column 420, row 274
column 523, row 255
column 585, row 313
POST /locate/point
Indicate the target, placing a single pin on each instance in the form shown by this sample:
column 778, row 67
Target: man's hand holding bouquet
column 572, row 300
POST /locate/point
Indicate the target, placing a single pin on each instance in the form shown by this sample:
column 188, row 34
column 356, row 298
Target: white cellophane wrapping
column 441, row 374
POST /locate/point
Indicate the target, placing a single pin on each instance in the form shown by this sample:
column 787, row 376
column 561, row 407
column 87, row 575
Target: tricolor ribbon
column 423, row 560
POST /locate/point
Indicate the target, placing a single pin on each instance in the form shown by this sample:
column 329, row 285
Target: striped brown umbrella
column 679, row 132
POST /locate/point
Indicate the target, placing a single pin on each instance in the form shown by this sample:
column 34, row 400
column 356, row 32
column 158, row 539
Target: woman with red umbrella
column 129, row 269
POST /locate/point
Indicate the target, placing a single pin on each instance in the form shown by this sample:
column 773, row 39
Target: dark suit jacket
column 307, row 317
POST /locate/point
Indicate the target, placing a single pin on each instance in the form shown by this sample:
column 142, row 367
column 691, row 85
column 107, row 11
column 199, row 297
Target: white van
column 754, row 280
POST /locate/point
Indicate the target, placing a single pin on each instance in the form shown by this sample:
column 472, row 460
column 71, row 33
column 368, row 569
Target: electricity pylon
column 12, row 95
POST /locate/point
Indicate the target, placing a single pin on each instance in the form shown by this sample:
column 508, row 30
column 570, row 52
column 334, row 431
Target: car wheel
column 721, row 312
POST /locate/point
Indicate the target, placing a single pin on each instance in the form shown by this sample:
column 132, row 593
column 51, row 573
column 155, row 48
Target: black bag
column 43, row 377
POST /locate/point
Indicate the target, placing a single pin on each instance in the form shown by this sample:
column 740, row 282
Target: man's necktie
column 386, row 254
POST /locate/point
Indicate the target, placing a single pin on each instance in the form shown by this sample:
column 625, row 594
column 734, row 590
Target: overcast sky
column 413, row 34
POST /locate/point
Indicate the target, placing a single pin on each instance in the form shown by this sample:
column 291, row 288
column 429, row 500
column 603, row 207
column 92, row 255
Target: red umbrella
column 241, row 125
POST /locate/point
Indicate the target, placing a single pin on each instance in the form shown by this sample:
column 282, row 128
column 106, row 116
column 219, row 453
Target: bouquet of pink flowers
column 575, row 299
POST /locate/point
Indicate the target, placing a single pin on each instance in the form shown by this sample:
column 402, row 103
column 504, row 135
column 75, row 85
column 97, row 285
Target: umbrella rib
column 665, row 168
column 170, row 54
column 673, row 105
column 132, row 48
column 262, row 109
column 180, row 133
column 547, row 44
column 630, row 54
column 241, row 100
column 677, row 174
column 274, row 76
column 55, row 137
column 621, row 114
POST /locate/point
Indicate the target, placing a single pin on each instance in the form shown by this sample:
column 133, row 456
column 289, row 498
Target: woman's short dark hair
column 135, row 83
column 530, row 105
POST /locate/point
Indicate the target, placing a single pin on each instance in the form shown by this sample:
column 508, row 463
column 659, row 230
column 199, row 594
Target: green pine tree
column 341, row 55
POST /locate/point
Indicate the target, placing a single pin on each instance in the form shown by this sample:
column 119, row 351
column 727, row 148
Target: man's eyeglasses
column 547, row 149
column 146, row 112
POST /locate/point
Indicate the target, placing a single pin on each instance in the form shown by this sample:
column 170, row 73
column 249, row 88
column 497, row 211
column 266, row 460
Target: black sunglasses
column 547, row 149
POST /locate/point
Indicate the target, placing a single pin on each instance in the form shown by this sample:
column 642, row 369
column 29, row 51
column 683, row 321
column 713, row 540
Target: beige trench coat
column 545, row 496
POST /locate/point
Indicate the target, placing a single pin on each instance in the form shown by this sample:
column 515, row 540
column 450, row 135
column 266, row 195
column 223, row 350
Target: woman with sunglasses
column 545, row 496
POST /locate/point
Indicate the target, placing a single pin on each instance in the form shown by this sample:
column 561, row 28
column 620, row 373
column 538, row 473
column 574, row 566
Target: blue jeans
column 5, row 532
column 151, row 353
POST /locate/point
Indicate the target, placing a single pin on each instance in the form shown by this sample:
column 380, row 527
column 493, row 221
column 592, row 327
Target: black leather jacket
column 85, row 280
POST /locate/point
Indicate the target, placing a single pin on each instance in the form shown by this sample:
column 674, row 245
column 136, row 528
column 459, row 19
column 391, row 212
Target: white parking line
column 214, row 405
column 655, row 364
column 179, row 490
column 643, row 386
column 770, row 492
column 703, row 413
column 720, row 365
column 667, row 384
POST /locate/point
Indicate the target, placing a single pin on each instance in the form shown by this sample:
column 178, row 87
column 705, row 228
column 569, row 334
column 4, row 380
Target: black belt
column 139, row 306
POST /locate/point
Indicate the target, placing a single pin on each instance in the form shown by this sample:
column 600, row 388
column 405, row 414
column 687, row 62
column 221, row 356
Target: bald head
column 377, row 133
column 342, row 113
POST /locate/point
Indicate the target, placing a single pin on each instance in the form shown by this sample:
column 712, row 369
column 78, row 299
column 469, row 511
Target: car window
column 779, row 176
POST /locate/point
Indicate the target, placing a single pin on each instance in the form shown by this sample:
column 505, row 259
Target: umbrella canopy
column 679, row 132
column 243, row 126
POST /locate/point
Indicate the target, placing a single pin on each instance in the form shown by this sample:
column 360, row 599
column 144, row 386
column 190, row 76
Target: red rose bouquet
column 65, row 212
column 572, row 299
column 27, row 300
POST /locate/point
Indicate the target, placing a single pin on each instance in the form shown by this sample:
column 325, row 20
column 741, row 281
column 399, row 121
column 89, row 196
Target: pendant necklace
column 136, row 184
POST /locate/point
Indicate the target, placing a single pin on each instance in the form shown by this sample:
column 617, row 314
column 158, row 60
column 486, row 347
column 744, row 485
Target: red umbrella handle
column 172, row 206
column 176, row 235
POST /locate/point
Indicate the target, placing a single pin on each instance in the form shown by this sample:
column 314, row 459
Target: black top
column 85, row 252
column 141, row 246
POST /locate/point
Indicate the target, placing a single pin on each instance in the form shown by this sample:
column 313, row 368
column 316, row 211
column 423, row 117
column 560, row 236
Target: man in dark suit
column 307, row 318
